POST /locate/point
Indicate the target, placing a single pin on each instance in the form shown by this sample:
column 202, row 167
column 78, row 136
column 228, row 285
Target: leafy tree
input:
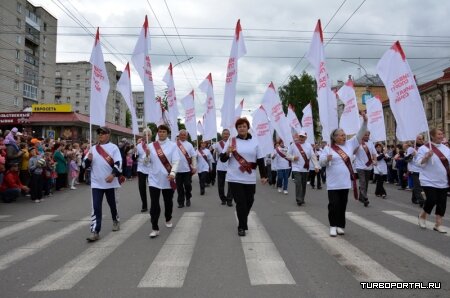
column 128, row 118
column 299, row 92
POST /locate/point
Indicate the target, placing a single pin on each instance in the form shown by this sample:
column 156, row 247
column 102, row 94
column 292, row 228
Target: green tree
column 128, row 119
column 299, row 92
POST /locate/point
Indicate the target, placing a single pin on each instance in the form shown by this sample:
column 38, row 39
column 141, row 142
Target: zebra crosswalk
column 266, row 264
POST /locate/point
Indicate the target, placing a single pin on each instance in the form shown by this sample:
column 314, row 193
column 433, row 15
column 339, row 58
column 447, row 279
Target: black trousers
column 244, row 196
column 212, row 174
column 416, row 196
column 184, row 186
column 202, row 178
column 312, row 176
column 221, row 175
column 337, row 204
column 379, row 190
column 435, row 197
column 61, row 181
column 155, row 207
column 142, row 184
column 36, row 186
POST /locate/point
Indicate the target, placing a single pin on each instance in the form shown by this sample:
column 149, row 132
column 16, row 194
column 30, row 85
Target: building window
column 86, row 108
column 438, row 109
column 87, row 82
column 18, row 39
column 78, row 77
column 429, row 111
column 19, row 23
column 69, row 73
column 68, row 90
column 29, row 91
column 45, row 39
column 45, row 26
column 69, row 82
column 57, row 73
column 42, row 94
column 16, row 85
column 77, row 95
column 17, row 54
column 44, row 81
column 68, row 99
column 86, row 99
column 78, row 86
column 88, row 72
column 44, row 53
column 19, row 7
column 17, row 70
column 16, row 101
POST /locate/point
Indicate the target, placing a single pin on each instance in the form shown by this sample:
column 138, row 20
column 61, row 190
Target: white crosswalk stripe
column 72, row 272
column 169, row 268
column 264, row 264
column 33, row 247
column 24, row 224
column 4, row 216
column 411, row 219
column 423, row 252
column 361, row 266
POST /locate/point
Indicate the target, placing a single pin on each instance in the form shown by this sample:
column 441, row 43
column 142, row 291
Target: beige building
column 73, row 83
column 27, row 55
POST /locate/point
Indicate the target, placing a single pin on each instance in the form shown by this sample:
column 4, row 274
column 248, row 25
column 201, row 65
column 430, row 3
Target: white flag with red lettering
column 308, row 123
column 325, row 97
column 200, row 129
column 272, row 105
column 350, row 116
column 293, row 120
column 124, row 87
column 189, row 115
column 238, row 50
column 375, row 119
column 404, row 97
column 209, row 118
column 237, row 115
column 99, row 84
column 261, row 130
column 142, row 63
column 172, row 106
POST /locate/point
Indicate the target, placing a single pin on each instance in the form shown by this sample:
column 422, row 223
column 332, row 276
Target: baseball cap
column 302, row 133
column 103, row 129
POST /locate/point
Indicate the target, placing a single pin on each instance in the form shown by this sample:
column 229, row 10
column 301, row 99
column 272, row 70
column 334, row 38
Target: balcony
column 33, row 38
column 31, row 59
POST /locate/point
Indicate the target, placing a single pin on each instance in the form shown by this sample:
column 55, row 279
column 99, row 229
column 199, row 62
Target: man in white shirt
column 204, row 162
column 222, row 170
column 187, row 168
column 106, row 166
column 365, row 157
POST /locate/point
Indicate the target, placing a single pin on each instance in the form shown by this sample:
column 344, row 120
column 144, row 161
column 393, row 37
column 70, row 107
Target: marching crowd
column 35, row 167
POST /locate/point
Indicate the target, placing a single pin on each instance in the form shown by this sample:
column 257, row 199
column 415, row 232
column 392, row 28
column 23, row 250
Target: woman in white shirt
column 380, row 171
column 243, row 155
column 340, row 175
column 434, row 177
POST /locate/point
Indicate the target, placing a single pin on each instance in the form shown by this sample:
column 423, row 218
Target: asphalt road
column 287, row 252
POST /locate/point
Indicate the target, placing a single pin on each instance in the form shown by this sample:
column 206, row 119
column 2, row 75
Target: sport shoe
column 340, row 231
column 116, row 226
column 439, row 229
column 93, row 237
column 169, row 224
column 153, row 234
column 188, row 203
column 37, row 201
column 422, row 223
column 280, row 190
column 73, row 187
column 285, row 192
column 333, row 232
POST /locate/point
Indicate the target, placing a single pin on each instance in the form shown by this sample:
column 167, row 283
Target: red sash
column 203, row 155
column 366, row 149
column 302, row 152
column 144, row 146
column 109, row 160
column 348, row 163
column 245, row 165
column 165, row 162
column 443, row 159
column 222, row 144
column 186, row 155
column 282, row 155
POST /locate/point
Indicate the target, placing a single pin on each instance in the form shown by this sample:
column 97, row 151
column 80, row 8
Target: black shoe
column 421, row 203
column 319, row 187
column 224, row 203
column 188, row 203
column 241, row 232
column 230, row 204
column 180, row 205
column 312, row 186
column 366, row 203
column 144, row 210
column 202, row 192
column 299, row 203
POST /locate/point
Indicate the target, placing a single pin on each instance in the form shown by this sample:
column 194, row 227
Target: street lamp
column 365, row 71
column 190, row 58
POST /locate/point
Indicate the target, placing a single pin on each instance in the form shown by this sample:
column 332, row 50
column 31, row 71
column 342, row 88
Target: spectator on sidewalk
column 11, row 187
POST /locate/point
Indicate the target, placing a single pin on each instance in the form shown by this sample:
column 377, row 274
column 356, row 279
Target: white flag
column 209, row 118
column 237, row 115
column 124, row 87
column 99, row 84
column 325, row 97
column 293, row 120
column 172, row 106
column 189, row 118
column 308, row 123
column 237, row 51
column 142, row 63
column 200, row 129
column 274, row 109
column 375, row 123
column 261, row 130
column 404, row 97
column 350, row 116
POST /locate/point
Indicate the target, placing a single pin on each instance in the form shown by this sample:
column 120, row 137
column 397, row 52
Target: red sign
column 14, row 118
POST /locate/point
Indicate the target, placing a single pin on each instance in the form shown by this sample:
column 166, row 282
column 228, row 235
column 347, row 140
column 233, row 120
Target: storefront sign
column 14, row 118
column 51, row 108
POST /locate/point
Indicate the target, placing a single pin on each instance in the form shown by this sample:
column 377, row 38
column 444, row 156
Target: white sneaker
column 439, row 229
column 285, row 192
column 333, row 232
column 153, row 234
column 280, row 190
column 73, row 187
column 340, row 231
column 422, row 223
column 169, row 224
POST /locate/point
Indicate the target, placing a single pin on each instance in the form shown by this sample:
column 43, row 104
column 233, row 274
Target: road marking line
column 4, row 216
column 33, row 247
column 359, row 264
column 264, row 263
column 411, row 219
column 169, row 268
column 25, row 224
column 74, row 271
column 425, row 253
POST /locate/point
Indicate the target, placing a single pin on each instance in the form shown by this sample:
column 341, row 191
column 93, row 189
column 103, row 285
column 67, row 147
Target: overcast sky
column 277, row 35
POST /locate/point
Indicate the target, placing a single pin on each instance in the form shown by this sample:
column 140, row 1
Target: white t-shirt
column 202, row 164
column 142, row 167
column 221, row 166
column 338, row 176
column 298, row 165
column 281, row 162
column 184, row 166
column 381, row 166
column 361, row 156
column 158, row 173
column 433, row 172
column 249, row 149
column 100, row 169
column 412, row 165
